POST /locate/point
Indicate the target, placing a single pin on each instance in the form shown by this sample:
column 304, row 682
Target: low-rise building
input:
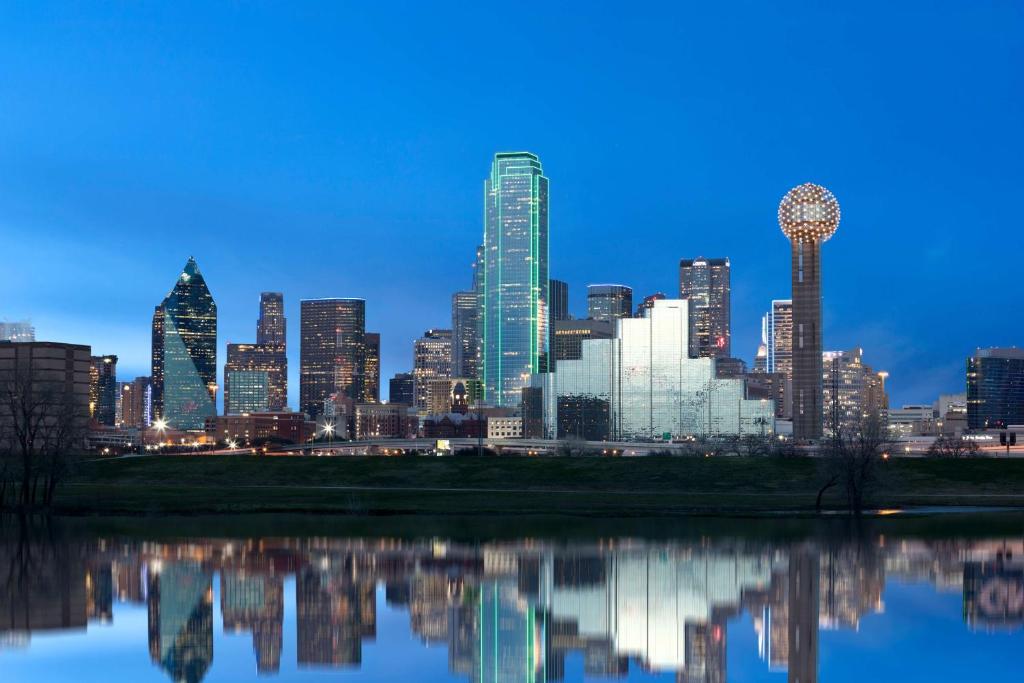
column 254, row 428
column 384, row 421
column 504, row 427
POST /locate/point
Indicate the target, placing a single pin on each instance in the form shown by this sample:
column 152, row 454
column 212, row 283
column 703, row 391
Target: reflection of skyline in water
column 505, row 611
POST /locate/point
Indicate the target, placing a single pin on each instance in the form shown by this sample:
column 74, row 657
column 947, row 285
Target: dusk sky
column 340, row 150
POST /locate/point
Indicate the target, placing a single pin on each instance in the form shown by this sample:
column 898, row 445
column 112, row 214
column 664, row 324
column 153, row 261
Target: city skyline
column 216, row 192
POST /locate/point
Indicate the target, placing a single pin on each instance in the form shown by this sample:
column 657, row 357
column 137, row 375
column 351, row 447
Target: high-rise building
column 431, row 359
column 402, row 389
column 569, row 335
column 648, row 303
column 705, row 282
column 609, row 302
column 995, row 388
column 808, row 216
column 103, row 389
column 641, row 384
column 269, row 356
column 465, row 334
column 558, row 291
column 271, row 328
column 21, row 331
column 372, row 373
column 136, row 401
column 57, row 377
column 778, row 334
column 514, row 305
column 332, row 356
column 852, row 392
column 184, row 359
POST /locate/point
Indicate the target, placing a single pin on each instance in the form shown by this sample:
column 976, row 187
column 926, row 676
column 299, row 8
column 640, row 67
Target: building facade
column 465, row 334
column 642, row 385
column 332, row 354
column 706, row 283
column 778, row 334
column 558, row 291
column 609, row 302
column 808, row 216
column 272, row 326
column 648, row 303
column 249, row 391
column 514, row 305
column 569, row 335
column 103, row 390
column 259, row 428
column 402, row 389
column 431, row 360
column 995, row 388
column 136, row 403
column 371, row 393
column 255, row 370
column 184, row 355
column 853, row 393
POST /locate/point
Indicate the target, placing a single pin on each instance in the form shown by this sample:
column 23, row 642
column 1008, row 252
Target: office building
column 251, row 429
column 452, row 395
column 371, row 393
column 558, row 291
column 808, row 216
column 432, row 359
column 136, row 403
column 184, row 356
column 21, row 331
column 103, row 390
column 705, row 283
column 249, row 391
column 271, row 328
column 465, row 334
column 57, row 376
column 914, row 420
column 777, row 332
column 853, row 393
column 332, row 355
column 648, row 303
column 568, row 336
column 995, row 388
column 609, row 302
column 384, row 421
column 514, row 305
column 402, row 389
column 641, row 384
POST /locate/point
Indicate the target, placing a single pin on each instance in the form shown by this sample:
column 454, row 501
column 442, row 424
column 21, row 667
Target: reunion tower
column 808, row 215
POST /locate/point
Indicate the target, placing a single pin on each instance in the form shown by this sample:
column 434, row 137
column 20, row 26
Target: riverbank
column 581, row 487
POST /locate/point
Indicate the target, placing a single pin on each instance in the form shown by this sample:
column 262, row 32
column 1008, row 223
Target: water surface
column 783, row 604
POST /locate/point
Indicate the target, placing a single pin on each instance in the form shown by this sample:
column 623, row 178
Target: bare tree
column 853, row 458
column 953, row 447
column 42, row 426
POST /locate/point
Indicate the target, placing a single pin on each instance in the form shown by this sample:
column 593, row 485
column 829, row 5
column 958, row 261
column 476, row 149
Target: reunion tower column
column 808, row 216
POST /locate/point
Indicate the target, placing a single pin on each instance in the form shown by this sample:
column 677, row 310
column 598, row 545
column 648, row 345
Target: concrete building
column 504, row 427
column 389, row 420
column 852, row 392
column 569, row 335
column 431, row 359
column 258, row 428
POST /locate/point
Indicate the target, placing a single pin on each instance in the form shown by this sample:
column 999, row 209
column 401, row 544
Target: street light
column 329, row 432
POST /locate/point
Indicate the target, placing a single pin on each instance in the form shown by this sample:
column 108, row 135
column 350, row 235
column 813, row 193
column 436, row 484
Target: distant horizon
column 338, row 153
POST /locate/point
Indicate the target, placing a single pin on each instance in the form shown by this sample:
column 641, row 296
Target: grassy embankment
column 600, row 487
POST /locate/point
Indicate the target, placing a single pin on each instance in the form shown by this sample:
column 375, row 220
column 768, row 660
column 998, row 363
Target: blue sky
column 340, row 150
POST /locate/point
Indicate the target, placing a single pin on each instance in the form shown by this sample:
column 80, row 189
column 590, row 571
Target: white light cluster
column 809, row 213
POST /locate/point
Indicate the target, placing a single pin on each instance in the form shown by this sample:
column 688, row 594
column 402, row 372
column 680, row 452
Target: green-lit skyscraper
column 514, row 305
column 185, row 353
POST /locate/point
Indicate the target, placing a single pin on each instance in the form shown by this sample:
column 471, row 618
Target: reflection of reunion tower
column 808, row 215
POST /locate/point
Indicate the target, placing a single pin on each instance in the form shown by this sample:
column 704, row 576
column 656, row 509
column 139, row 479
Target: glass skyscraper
column 184, row 360
column 609, row 302
column 995, row 388
column 465, row 329
column 514, row 305
column 268, row 355
column 642, row 385
column 706, row 283
column 332, row 354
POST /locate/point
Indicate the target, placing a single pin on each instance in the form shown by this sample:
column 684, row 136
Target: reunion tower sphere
column 808, row 213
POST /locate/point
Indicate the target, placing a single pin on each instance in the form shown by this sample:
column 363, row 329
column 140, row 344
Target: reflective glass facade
column 250, row 391
column 332, row 354
column 184, row 360
column 514, row 305
column 466, row 331
column 995, row 388
column 650, row 384
column 609, row 302
column 706, row 283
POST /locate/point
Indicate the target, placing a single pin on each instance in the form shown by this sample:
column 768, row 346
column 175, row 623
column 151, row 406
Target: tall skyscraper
column 705, row 282
column 559, row 293
column 852, row 392
column 432, row 359
column 371, row 393
column 402, row 389
column 261, row 367
column 103, row 389
column 271, row 327
column 514, row 306
column 21, row 331
column 184, row 358
column 609, row 302
column 465, row 331
column 995, row 388
column 778, row 326
column 808, row 216
column 332, row 356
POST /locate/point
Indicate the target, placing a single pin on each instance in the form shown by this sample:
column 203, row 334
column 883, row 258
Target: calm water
column 819, row 606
